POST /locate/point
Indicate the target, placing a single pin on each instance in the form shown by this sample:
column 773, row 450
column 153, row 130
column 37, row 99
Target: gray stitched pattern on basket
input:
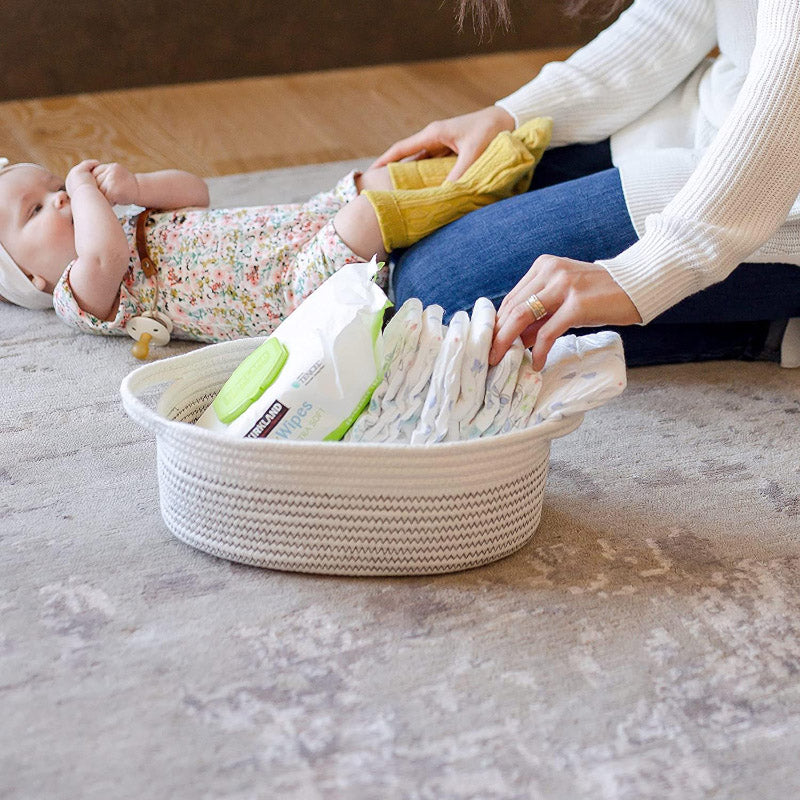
column 333, row 507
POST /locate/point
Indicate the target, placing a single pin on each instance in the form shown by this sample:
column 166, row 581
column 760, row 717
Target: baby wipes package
column 315, row 374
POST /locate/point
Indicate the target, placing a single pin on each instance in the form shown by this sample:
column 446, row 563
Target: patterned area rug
column 644, row 644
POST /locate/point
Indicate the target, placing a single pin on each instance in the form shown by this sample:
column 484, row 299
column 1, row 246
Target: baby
column 222, row 273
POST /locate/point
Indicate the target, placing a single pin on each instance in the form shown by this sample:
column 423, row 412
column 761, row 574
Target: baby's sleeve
column 67, row 308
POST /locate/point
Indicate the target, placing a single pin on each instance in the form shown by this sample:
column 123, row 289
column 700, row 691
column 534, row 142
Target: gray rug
column 645, row 644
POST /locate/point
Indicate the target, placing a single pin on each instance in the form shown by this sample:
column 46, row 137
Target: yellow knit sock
column 420, row 174
column 407, row 215
column 535, row 135
column 427, row 172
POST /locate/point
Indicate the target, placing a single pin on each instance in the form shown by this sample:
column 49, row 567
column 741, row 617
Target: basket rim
column 170, row 370
column 545, row 431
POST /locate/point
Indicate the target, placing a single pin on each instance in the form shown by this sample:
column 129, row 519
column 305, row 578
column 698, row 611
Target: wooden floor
column 234, row 126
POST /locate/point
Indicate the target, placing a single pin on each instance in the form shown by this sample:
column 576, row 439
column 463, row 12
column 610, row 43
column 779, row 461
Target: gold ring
column 536, row 307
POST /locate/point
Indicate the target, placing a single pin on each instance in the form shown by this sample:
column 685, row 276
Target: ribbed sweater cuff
column 654, row 275
column 534, row 100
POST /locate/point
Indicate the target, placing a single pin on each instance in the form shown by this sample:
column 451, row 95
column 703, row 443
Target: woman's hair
column 490, row 14
column 594, row 8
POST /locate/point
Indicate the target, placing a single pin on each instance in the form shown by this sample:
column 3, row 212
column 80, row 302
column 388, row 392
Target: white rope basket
column 334, row 507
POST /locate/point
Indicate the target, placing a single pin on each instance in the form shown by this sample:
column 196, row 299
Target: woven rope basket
column 333, row 507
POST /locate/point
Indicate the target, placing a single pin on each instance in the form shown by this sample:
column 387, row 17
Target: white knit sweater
column 708, row 149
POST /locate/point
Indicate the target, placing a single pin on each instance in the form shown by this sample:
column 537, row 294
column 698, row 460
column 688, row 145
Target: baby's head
column 37, row 236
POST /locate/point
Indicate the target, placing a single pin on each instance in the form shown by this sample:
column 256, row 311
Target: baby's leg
column 406, row 175
column 378, row 221
column 356, row 222
column 357, row 225
column 428, row 172
column 421, row 174
column 404, row 216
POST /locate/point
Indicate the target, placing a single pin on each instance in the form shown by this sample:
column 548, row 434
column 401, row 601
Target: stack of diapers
column 438, row 385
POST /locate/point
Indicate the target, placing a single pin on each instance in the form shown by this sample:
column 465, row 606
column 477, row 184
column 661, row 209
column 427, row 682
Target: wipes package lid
column 313, row 376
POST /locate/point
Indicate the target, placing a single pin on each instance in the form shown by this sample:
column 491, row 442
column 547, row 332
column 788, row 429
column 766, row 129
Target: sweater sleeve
column 743, row 187
column 621, row 73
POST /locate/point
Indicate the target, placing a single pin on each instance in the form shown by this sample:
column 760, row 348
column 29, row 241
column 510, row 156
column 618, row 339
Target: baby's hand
column 80, row 174
column 118, row 184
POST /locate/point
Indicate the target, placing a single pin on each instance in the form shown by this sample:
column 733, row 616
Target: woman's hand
column 574, row 294
column 117, row 183
column 466, row 135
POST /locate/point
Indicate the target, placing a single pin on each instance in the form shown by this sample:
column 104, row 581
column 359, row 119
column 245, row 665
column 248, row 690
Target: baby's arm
column 100, row 243
column 166, row 189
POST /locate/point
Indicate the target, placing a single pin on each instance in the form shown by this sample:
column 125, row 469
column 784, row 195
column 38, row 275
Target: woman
column 667, row 171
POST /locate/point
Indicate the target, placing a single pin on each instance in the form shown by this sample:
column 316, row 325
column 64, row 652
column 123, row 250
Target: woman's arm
column 623, row 72
column 739, row 195
column 165, row 189
column 743, row 187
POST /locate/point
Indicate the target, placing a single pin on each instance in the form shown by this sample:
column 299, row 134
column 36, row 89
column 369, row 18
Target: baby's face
column 36, row 225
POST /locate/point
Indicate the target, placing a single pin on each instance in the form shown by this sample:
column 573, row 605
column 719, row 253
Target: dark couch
column 66, row 46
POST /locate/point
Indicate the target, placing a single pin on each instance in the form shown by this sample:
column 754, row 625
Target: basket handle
column 168, row 370
column 136, row 382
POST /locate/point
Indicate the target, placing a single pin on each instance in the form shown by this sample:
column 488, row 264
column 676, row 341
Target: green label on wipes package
column 250, row 379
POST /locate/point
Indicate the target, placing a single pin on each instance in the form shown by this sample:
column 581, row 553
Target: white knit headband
column 15, row 286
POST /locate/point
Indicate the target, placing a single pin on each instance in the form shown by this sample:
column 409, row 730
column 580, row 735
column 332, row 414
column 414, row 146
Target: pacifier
column 154, row 328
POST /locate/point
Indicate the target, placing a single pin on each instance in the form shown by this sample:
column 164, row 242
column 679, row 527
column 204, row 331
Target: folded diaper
column 415, row 339
column 581, row 373
column 529, row 384
column 401, row 345
column 415, row 387
column 438, row 385
column 501, row 380
column 474, row 367
column 444, row 385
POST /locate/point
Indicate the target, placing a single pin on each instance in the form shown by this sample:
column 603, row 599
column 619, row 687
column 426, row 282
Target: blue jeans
column 575, row 208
